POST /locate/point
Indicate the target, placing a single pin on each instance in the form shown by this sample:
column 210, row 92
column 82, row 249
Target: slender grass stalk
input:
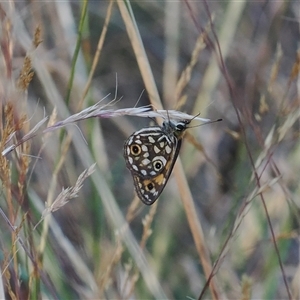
column 185, row 193
column 77, row 49
column 96, row 247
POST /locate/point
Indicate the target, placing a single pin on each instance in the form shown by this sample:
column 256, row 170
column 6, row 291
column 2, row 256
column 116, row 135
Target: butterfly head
column 176, row 128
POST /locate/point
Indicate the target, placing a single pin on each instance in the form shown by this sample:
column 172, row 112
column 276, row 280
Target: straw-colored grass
column 77, row 79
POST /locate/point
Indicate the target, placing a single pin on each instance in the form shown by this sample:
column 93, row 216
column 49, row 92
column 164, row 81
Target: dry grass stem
column 144, row 111
column 230, row 220
column 106, row 277
column 186, row 74
column 186, row 197
column 98, row 51
column 133, row 209
column 147, row 222
column 33, row 132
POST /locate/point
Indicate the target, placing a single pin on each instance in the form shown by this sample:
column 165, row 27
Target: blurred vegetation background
column 226, row 225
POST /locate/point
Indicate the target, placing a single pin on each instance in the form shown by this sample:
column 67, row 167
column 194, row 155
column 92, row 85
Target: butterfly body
column 150, row 154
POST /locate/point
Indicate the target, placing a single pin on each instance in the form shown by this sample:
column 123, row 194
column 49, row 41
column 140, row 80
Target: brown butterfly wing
column 150, row 155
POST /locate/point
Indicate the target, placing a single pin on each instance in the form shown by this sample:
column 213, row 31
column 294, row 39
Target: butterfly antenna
column 209, row 122
column 194, row 117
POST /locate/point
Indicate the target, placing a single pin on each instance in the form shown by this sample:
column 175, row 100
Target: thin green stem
column 77, row 48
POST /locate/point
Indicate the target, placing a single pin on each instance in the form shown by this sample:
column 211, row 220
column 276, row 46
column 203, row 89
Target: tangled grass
column 227, row 224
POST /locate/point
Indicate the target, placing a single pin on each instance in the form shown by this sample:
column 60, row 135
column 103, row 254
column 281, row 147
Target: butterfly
column 150, row 154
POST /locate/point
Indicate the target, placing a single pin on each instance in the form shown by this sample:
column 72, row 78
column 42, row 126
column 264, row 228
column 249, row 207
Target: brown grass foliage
column 227, row 224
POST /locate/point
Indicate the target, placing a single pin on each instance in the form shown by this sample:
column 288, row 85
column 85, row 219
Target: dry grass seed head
column 67, row 194
column 26, row 74
column 37, row 36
